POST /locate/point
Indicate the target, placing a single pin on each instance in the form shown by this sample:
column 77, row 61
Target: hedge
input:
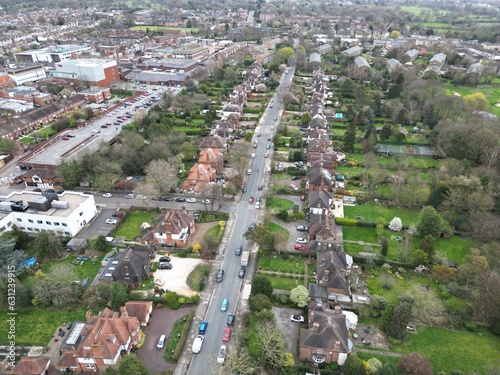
column 346, row 221
column 182, row 341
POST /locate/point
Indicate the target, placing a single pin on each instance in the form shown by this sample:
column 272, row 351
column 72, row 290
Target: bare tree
column 213, row 196
column 272, row 346
column 164, row 175
column 280, row 241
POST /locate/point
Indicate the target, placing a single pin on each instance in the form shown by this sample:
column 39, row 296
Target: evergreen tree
column 429, row 222
column 350, row 137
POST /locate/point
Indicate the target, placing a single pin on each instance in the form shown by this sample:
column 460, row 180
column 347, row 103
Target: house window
column 9, row 223
column 19, row 219
column 56, row 223
column 89, row 365
column 64, row 224
column 30, row 220
column 81, row 213
column 48, row 223
column 39, row 221
column 67, row 233
column 29, row 229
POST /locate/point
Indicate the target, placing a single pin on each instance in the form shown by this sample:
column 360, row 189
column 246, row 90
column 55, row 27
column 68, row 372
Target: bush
column 471, row 327
column 182, row 253
column 180, row 345
column 260, row 302
column 170, row 298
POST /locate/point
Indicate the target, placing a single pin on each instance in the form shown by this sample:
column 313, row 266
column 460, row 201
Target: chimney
column 338, row 310
column 315, row 327
column 88, row 316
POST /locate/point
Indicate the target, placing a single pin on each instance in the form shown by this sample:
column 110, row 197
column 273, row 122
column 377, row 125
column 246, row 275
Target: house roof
column 317, row 291
column 320, row 199
column 213, row 141
column 361, row 62
column 174, row 222
column 138, row 309
column 330, row 269
column 46, row 174
column 201, row 172
column 210, row 155
column 318, row 145
column 31, row 366
column 129, row 266
column 323, row 227
column 327, row 330
column 320, row 176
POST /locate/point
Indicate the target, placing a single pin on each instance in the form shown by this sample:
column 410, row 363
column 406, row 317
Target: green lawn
column 89, row 268
column 131, row 227
column 365, row 234
column 382, row 358
column 281, row 176
column 285, row 283
column 492, row 94
column 456, row 248
column 449, row 350
column 293, row 265
column 373, row 212
column 276, row 203
column 26, row 140
column 36, row 326
column 211, row 233
column 275, row 227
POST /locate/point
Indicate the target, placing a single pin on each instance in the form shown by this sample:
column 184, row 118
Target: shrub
column 346, row 221
column 469, row 326
column 180, row 345
column 170, row 297
column 182, row 253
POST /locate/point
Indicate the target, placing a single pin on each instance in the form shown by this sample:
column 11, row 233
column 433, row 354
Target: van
column 161, row 342
column 197, row 343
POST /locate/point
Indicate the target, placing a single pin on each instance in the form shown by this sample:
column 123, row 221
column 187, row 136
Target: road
column 246, row 213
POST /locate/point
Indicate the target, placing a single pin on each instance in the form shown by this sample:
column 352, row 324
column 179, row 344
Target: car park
column 224, row 304
column 111, row 221
column 221, row 356
column 161, row 342
column 219, row 276
column 107, row 195
column 164, row 259
column 227, row 335
column 301, row 240
column 302, row 228
column 297, row 318
column 165, row 266
column 241, row 273
column 203, row 327
column 238, row 250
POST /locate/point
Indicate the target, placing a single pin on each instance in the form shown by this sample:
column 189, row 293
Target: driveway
column 161, row 323
column 290, row 329
column 98, row 225
column 175, row 279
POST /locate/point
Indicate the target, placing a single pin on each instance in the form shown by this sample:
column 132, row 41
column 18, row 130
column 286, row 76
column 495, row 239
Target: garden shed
column 76, row 244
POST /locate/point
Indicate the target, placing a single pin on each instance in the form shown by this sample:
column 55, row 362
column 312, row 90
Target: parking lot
column 292, row 329
column 98, row 226
column 175, row 279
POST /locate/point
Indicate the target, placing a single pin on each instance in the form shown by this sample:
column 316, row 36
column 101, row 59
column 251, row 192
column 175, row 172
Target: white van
column 197, row 343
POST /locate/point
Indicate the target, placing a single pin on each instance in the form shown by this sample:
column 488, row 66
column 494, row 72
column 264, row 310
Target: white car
column 111, row 221
column 301, row 240
column 257, row 205
column 206, row 201
column 221, row 357
column 191, row 200
column 294, row 187
column 107, row 195
column 297, row 318
column 138, row 196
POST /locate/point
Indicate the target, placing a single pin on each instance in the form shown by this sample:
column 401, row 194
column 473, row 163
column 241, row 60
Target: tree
column 280, row 240
column 415, row 364
column 239, row 362
column 164, row 175
column 384, row 246
column 396, row 224
column 130, row 365
column 97, row 296
column 350, row 137
column 272, row 346
column 428, row 245
column 23, row 239
column 477, row 101
column 444, row 274
column 399, row 320
column 7, row 145
column 385, row 317
column 283, row 55
column 48, row 244
column 119, row 294
column 260, row 302
column 10, row 257
column 72, row 173
column 394, row 34
column 261, row 235
column 354, row 366
column 348, row 88
column 100, row 243
column 59, row 288
column 300, row 296
column 429, row 222
column 386, row 132
column 374, row 365
column 261, row 285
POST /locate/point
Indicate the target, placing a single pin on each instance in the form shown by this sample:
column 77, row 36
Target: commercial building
column 94, row 72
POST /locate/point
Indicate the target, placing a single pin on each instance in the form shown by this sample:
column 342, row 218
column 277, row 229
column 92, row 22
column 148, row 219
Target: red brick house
column 173, row 229
column 200, row 175
column 141, row 310
column 212, row 157
column 32, row 366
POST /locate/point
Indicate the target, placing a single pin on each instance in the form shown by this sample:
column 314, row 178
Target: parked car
column 197, row 343
column 300, row 247
column 249, row 172
column 241, row 273
column 191, row 200
column 268, row 146
column 129, row 196
column 221, row 356
column 250, row 200
column 206, row 201
column 297, row 318
column 230, row 319
column 266, row 154
column 165, row 259
column 180, row 199
column 244, row 189
column 107, row 195
column 295, row 178
column 260, row 187
column 138, row 196
column 227, row 335
column 165, row 266
column 224, row 304
column 161, row 342
column 167, row 199
column 203, row 327
column 65, row 138
column 257, row 205
column 302, row 228
column 111, row 221
column 294, row 187
column 219, row 276
column 301, row 240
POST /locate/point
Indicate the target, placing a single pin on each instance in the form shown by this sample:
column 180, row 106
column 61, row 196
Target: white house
column 33, row 212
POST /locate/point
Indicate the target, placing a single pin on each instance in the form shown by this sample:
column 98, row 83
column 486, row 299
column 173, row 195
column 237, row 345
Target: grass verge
column 178, row 337
column 276, row 203
column 196, row 279
column 131, row 227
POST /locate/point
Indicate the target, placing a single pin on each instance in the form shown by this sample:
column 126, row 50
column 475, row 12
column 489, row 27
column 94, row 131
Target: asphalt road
column 246, row 213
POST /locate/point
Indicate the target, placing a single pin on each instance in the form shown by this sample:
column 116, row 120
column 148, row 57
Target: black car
column 165, row 266
column 302, row 228
column 295, row 178
column 115, row 214
column 60, row 191
column 70, row 135
column 219, row 276
column 180, row 199
column 103, row 126
column 241, row 274
column 244, row 189
column 87, row 192
column 238, row 250
column 167, row 199
column 252, row 226
column 165, row 259
column 230, row 319
column 260, row 187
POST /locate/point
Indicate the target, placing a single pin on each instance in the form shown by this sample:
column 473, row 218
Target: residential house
column 32, row 366
column 172, row 229
column 130, row 267
column 474, row 72
column 318, row 122
column 232, row 108
column 41, row 178
column 212, row 157
column 315, row 59
column 438, row 60
column 320, row 179
column 324, row 49
column 331, row 269
column 327, row 160
column 215, row 142
column 322, row 227
column 326, row 340
column 393, row 65
column 99, row 342
column 318, row 146
column 409, row 56
column 200, row 175
column 141, row 310
column 353, row 51
column 317, row 133
column 320, row 202
column 361, row 66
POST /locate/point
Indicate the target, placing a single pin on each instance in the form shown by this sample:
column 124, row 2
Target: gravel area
column 175, row 279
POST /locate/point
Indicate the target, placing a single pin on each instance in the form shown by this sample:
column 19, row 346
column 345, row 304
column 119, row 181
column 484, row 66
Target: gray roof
column 361, row 62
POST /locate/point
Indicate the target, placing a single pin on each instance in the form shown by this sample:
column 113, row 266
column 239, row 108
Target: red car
column 300, row 247
column 64, row 138
column 255, row 144
column 227, row 335
column 250, row 200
